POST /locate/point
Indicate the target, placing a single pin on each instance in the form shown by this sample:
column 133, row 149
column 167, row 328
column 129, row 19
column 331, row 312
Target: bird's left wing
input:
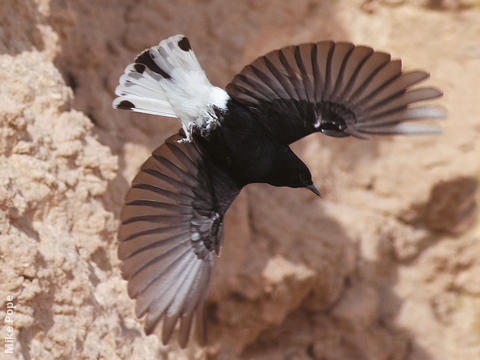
column 172, row 227
column 335, row 88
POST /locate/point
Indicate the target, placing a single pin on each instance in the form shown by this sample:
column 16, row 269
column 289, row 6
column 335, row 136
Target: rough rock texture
column 385, row 266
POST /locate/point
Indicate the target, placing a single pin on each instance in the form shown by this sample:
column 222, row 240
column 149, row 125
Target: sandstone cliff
column 385, row 266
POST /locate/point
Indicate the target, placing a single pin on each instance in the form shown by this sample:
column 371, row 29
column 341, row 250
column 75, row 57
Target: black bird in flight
column 172, row 221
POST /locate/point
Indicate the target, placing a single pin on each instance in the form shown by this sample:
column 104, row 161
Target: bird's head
column 289, row 170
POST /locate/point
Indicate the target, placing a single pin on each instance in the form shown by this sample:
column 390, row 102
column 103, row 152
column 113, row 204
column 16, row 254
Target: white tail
column 167, row 80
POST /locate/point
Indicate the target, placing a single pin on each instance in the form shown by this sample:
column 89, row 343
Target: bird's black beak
column 313, row 189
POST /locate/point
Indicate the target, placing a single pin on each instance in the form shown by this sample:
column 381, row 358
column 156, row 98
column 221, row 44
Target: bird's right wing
column 171, row 230
column 335, row 88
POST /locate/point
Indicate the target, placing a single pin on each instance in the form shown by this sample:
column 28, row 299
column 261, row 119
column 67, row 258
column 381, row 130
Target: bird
column 171, row 224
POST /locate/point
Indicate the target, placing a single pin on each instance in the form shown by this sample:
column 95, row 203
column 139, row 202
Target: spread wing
column 171, row 230
column 335, row 88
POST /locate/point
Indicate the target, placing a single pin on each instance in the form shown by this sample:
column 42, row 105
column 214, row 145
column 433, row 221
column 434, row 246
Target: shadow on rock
column 20, row 27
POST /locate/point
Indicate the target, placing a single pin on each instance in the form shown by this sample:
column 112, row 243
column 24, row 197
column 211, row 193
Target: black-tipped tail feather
column 167, row 80
column 140, row 90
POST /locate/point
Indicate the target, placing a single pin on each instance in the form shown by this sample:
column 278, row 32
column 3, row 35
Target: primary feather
column 335, row 88
column 172, row 227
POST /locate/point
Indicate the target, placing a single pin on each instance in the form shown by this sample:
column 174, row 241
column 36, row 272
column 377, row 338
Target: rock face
column 385, row 266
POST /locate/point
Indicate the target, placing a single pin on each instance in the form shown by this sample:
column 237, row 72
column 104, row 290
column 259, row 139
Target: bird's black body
column 172, row 221
column 245, row 148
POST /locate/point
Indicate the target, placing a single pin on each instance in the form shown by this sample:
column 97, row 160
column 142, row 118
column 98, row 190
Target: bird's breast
column 240, row 146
